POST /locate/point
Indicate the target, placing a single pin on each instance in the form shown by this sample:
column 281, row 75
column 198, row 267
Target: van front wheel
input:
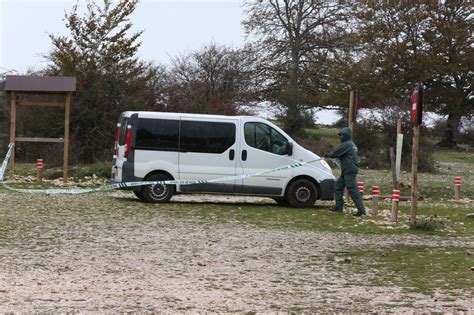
column 158, row 193
column 302, row 193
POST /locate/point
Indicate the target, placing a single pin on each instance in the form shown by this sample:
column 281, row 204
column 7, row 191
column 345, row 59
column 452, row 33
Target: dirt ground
column 96, row 261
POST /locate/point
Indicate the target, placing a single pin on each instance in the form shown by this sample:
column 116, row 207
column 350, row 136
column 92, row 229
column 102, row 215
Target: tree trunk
column 293, row 122
column 452, row 125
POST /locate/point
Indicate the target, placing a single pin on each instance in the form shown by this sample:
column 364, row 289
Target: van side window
column 157, row 134
column 264, row 137
column 206, row 137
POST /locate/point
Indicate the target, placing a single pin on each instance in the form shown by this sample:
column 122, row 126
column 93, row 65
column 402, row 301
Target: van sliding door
column 208, row 151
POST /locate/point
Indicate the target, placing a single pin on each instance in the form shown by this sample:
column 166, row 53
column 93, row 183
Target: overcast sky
column 171, row 28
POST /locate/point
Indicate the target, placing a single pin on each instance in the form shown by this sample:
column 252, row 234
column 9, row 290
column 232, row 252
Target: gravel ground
column 119, row 261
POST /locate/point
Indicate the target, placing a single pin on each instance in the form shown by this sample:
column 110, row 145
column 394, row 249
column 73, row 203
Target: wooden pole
column 414, row 171
column 39, row 167
column 66, row 137
column 399, row 126
column 395, row 201
column 12, row 132
column 351, row 111
column 375, row 200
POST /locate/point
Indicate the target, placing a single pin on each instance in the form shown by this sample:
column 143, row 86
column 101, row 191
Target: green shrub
column 426, row 224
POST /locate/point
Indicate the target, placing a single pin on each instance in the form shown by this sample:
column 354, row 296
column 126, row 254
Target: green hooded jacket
column 346, row 152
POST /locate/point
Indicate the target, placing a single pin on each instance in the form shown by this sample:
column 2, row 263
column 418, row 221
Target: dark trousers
column 348, row 181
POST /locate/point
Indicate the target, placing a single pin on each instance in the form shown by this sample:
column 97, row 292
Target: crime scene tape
column 141, row 183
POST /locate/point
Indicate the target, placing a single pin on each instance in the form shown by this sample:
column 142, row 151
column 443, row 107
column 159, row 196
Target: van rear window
column 123, row 130
column 157, row 134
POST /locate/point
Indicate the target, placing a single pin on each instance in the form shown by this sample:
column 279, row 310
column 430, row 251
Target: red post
column 360, row 187
column 457, row 188
column 395, row 200
column 375, row 199
column 39, row 167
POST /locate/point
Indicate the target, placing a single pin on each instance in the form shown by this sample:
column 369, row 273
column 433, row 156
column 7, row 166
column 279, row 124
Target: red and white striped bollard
column 395, row 200
column 39, row 167
column 457, row 188
column 375, row 199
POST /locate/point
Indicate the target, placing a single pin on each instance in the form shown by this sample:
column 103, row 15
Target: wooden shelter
column 26, row 86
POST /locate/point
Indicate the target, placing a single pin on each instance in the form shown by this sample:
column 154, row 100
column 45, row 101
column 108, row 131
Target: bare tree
column 214, row 80
column 294, row 38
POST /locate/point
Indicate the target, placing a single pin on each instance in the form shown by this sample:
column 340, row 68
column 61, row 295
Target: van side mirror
column 289, row 148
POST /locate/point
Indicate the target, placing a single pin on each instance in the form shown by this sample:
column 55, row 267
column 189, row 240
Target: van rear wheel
column 158, row 193
column 139, row 194
column 281, row 201
column 302, row 193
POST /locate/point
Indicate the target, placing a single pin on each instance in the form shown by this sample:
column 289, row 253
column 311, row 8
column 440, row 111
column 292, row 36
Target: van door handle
column 244, row 155
column 231, row 154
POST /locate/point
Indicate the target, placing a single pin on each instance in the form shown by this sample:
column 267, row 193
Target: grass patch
column 100, row 169
column 450, row 156
column 417, row 268
column 328, row 135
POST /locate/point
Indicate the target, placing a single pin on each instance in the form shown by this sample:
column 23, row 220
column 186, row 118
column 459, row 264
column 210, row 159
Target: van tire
column 302, row 193
column 158, row 193
column 139, row 195
column 281, row 201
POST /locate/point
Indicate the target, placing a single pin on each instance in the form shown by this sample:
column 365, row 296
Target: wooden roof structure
column 40, row 85
column 20, row 83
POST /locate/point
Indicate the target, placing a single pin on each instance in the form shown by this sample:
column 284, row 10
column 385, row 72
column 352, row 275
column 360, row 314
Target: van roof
column 171, row 114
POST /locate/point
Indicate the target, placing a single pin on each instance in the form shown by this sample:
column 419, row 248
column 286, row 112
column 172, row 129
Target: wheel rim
column 303, row 194
column 158, row 191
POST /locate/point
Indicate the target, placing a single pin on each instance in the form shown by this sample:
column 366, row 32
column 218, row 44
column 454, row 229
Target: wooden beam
column 67, row 113
column 40, row 104
column 12, row 131
column 351, row 111
column 36, row 139
column 414, row 172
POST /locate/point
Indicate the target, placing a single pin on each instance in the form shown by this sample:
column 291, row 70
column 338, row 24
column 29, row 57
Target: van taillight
column 117, row 133
column 128, row 140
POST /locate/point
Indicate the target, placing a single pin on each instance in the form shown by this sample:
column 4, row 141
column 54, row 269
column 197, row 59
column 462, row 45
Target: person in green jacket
column 346, row 152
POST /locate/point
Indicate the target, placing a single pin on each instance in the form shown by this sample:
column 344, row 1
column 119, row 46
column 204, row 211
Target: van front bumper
column 327, row 189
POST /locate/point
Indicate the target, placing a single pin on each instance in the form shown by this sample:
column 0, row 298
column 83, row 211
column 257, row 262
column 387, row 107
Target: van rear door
column 208, row 149
column 119, row 147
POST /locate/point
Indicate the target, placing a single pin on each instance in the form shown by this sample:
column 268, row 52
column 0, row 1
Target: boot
column 359, row 213
column 335, row 209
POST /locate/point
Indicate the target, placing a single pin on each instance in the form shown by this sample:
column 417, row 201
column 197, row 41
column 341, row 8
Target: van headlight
column 325, row 164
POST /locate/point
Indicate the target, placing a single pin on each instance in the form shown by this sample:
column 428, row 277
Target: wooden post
column 399, row 126
column 39, row 167
column 67, row 112
column 375, row 200
column 12, row 132
column 414, row 171
column 351, row 111
column 395, row 200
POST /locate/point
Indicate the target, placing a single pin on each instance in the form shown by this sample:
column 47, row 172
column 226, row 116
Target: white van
column 154, row 146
